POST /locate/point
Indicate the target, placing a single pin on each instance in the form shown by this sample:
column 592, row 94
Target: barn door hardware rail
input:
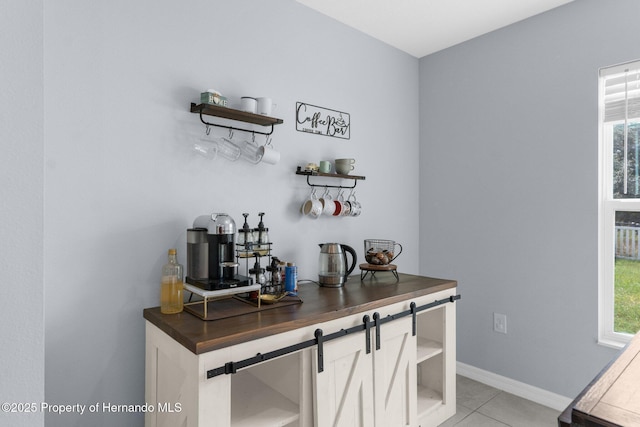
column 320, row 338
column 237, row 115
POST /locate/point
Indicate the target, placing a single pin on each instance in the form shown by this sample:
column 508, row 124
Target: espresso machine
column 211, row 254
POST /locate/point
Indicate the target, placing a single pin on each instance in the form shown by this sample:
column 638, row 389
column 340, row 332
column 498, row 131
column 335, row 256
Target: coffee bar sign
column 322, row 121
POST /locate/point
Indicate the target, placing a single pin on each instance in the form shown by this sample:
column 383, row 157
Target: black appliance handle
column 354, row 258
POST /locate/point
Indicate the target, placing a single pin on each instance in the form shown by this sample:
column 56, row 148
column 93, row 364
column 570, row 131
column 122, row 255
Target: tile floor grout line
column 474, row 395
column 467, row 416
column 488, row 416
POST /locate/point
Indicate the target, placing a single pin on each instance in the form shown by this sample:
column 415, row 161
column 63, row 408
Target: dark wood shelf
column 330, row 175
column 233, row 114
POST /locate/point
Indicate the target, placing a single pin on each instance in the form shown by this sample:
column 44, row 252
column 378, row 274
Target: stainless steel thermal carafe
column 197, row 253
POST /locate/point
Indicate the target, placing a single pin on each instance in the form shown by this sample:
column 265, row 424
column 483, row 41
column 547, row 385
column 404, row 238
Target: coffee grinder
column 211, row 262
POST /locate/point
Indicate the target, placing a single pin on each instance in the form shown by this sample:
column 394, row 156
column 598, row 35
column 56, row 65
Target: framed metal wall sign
column 322, row 121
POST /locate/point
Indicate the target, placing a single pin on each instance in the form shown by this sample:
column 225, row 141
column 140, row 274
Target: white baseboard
column 526, row 391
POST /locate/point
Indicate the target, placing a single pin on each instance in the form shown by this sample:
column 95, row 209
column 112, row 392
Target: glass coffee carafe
column 333, row 268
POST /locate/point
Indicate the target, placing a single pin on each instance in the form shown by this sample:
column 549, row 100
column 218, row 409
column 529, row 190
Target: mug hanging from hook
column 351, row 193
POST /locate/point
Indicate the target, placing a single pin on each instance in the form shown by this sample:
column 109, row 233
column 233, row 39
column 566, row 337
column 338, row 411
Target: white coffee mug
column 265, row 105
column 356, row 206
column 248, row 104
column 312, row 207
column 328, row 206
column 269, row 155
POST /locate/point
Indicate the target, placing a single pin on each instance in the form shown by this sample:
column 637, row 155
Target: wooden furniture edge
column 198, row 346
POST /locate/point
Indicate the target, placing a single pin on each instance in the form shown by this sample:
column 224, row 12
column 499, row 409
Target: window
column 619, row 211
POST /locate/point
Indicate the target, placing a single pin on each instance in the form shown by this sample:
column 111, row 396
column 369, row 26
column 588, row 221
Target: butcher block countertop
column 319, row 305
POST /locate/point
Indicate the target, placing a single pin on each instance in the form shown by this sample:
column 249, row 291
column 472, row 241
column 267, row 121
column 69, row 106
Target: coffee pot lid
column 216, row 223
column 331, row 248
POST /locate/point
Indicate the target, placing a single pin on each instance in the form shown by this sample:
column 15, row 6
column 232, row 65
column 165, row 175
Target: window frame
column 607, row 208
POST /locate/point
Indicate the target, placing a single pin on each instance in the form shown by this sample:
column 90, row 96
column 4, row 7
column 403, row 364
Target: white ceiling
column 421, row 27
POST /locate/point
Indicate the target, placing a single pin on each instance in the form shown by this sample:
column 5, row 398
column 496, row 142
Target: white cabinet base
column 409, row 381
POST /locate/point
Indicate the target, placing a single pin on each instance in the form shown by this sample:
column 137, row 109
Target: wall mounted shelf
column 233, row 114
column 309, row 174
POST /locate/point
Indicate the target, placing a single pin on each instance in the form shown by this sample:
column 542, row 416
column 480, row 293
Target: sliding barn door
column 394, row 373
column 344, row 390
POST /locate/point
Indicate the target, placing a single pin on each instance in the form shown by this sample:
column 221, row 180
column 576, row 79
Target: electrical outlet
column 500, row 323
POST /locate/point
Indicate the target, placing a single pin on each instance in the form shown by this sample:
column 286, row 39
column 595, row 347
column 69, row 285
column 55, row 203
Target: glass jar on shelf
column 246, row 239
column 262, row 237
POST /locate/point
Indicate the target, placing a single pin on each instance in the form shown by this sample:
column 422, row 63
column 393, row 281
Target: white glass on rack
column 228, row 149
column 206, row 147
column 250, row 151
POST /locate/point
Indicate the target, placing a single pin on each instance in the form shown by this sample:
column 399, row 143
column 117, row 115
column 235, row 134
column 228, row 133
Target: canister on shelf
column 213, row 97
column 291, row 278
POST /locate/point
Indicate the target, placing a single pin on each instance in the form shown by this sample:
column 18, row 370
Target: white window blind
column 621, row 92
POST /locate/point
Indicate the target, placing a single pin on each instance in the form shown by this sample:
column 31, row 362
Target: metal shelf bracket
column 309, row 174
column 235, row 128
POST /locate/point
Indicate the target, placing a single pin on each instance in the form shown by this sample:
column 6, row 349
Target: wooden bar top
column 319, row 305
column 613, row 397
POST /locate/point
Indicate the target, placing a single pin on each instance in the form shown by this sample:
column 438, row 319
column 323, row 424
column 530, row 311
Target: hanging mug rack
column 316, row 174
column 233, row 114
column 226, row 147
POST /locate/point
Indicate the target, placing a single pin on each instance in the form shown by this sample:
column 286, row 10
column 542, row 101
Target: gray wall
column 507, row 184
column 508, row 187
column 123, row 185
column 21, row 214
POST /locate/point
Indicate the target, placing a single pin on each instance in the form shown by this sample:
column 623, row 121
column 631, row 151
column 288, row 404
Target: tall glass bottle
column 171, row 288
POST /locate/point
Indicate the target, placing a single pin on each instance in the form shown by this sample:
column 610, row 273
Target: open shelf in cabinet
column 430, row 360
column 428, row 348
column 430, row 333
column 430, row 385
column 267, row 394
column 428, row 401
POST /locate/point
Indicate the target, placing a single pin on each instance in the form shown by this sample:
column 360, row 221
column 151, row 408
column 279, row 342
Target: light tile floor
column 479, row 405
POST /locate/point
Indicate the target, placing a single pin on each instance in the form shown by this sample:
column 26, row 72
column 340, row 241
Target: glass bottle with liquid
column 172, row 286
